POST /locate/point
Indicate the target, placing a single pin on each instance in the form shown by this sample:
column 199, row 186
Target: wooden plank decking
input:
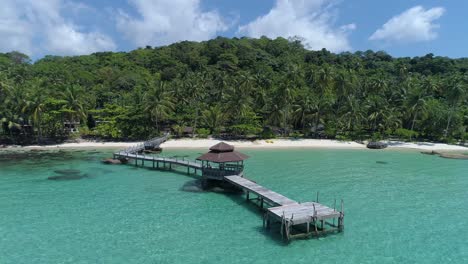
column 270, row 196
column 304, row 212
column 142, row 158
column 289, row 213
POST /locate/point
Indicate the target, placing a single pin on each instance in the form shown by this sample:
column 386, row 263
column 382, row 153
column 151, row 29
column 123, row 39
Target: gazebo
column 222, row 160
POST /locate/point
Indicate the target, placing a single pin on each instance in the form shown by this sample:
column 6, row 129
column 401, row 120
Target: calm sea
column 400, row 206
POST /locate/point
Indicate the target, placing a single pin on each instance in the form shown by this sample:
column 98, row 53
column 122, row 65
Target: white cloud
column 163, row 22
column 311, row 20
column 414, row 25
column 39, row 27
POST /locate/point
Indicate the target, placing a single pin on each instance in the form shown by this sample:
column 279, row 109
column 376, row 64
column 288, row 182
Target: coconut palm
column 304, row 110
column 73, row 97
column 35, row 106
column 416, row 101
column 159, row 101
column 214, row 118
column 456, row 94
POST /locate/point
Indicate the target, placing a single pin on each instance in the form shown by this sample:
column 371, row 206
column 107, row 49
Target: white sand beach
column 263, row 144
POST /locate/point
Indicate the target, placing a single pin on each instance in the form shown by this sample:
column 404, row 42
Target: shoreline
column 257, row 144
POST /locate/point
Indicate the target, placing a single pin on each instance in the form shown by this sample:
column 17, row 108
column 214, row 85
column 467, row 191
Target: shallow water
column 400, row 206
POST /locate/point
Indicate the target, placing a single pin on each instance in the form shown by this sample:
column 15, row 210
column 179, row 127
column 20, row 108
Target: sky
column 76, row 27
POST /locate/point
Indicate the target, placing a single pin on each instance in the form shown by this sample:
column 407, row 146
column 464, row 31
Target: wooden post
column 316, row 229
column 282, row 226
column 317, row 197
column 342, row 206
column 334, row 209
column 247, row 196
column 341, row 219
column 153, row 162
column 267, row 220
column 261, row 202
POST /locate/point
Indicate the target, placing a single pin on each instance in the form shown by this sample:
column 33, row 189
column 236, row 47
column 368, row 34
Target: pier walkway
column 269, row 196
column 297, row 219
column 157, row 162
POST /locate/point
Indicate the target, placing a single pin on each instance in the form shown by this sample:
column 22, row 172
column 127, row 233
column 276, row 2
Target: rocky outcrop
column 377, row 145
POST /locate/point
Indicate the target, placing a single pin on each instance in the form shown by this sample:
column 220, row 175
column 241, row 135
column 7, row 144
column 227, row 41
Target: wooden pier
column 297, row 220
column 264, row 195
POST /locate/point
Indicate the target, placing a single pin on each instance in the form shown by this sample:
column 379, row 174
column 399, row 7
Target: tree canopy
column 234, row 87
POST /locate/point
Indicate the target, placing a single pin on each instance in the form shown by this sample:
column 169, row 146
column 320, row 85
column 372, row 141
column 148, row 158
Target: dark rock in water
column 376, row 145
column 67, row 172
column 430, row 152
column 218, row 190
column 381, row 162
column 192, row 186
column 112, row 161
column 453, row 156
column 67, row 177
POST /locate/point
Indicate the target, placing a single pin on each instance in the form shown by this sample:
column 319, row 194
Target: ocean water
column 400, row 207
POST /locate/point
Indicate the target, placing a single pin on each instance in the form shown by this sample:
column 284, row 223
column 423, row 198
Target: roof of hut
column 223, row 152
column 222, row 147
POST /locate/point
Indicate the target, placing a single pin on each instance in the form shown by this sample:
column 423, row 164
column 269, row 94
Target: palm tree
column 214, row 118
column 285, row 97
column 322, row 85
column 376, row 106
column 35, row 106
column 391, row 119
column 159, row 101
column 239, row 99
column 456, row 94
column 353, row 114
column 73, row 97
column 304, row 109
column 416, row 102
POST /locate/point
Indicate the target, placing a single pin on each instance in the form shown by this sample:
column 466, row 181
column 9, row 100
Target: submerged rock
column 67, row 177
column 115, row 161
column 447, row 155
column 454, row 156
column 192, row 186
column 67, row 172
column 112, row 161
column 430, row 152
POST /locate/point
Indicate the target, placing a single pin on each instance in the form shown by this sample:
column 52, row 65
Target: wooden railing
column 152, row 143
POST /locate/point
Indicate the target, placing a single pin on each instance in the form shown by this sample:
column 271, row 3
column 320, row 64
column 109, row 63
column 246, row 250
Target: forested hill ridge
column 236, row 87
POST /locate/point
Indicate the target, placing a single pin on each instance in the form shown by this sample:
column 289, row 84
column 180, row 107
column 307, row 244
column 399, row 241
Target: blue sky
column 74, row 27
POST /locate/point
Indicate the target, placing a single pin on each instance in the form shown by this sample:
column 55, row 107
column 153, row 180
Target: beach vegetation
column 239, row 87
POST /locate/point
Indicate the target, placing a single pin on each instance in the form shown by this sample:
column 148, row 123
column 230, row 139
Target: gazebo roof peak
column 223, row 152
column 222, row 147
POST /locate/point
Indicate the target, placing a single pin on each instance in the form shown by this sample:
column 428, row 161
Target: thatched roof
column 222, row 147
column 221, row 153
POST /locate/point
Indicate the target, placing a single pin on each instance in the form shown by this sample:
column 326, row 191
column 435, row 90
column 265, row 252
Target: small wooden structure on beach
column 223, row 164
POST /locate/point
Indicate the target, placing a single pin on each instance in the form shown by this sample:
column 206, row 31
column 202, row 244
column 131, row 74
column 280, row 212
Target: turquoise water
column 400, row 206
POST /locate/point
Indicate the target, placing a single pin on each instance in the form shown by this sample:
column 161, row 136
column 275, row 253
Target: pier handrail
column 154, row 142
